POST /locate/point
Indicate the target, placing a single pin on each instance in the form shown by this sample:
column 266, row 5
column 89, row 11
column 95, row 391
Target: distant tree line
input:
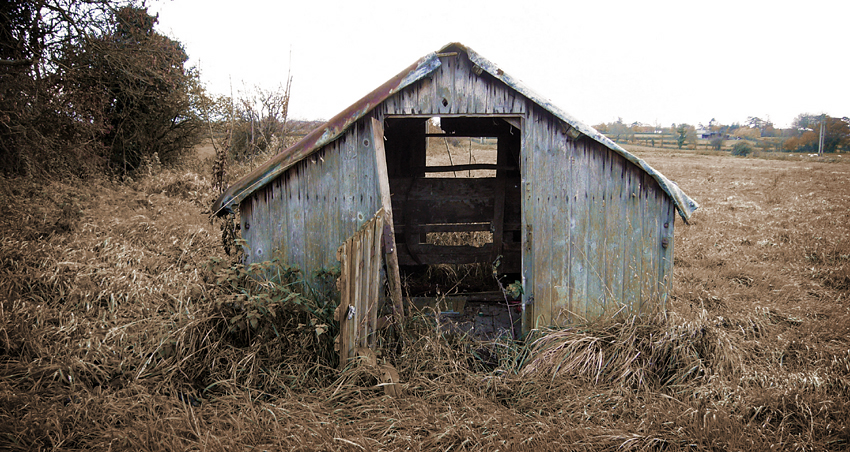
column 802, row 136
column 88, row 86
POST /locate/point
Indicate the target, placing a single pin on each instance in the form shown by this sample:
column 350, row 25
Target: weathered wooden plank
column 615, row 223
column 298, row 235
column 502, row 159
column 450, row 227
column 359, row 285
column 449, row 200
column 341, row 313
column 665, row 262
column 445, row 78
column 596, row 284
column 562, row 184
column 426, row 254
column 462, row 83
column 579, row 224
column 247, row 213
column 357, row 291
column 527, row 231
column 539, row 141
column 331, row 184
column 548, row 215
column 363, row 315
column 633, row 270
column 313, row 236
column 391, row 254
column 466, row 167
column 651, row 245
column 375, row 288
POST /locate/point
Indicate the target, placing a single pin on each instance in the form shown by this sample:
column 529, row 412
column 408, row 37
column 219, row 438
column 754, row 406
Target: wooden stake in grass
column 446, row 141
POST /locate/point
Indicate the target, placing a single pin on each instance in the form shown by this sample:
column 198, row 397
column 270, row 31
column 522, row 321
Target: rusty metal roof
column 337, row 125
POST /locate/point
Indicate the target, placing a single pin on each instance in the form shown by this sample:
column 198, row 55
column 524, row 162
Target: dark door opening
column 455, row 189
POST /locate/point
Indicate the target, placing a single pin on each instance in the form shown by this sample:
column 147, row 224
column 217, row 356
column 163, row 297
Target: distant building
column 705, row 134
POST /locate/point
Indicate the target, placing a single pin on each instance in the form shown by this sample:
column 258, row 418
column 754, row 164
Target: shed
column 585, row 226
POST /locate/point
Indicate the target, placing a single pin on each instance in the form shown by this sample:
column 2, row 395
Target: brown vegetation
column 124, row 326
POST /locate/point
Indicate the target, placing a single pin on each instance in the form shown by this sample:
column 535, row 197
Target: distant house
column 705, row 134
column 586, row 226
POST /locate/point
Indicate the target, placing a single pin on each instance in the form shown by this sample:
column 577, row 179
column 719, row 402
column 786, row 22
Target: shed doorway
column 457, row 209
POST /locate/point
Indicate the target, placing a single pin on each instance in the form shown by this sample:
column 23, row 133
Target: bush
column 742, row 149
column 716, row 143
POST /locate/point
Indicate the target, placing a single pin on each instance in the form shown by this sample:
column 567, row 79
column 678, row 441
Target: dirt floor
column 125, row 326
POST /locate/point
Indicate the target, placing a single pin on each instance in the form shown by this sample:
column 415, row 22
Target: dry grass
column 116, row 333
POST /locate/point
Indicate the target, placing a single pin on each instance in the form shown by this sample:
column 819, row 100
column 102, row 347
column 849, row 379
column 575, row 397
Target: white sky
column 649, row 61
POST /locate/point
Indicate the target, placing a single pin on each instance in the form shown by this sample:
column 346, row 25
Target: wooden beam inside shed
column 502, row 161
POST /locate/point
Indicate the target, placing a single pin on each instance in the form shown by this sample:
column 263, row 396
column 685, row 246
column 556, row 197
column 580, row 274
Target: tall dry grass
column 117, row 332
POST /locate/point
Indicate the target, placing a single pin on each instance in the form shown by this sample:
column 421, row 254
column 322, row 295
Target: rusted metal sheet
column 359, row 285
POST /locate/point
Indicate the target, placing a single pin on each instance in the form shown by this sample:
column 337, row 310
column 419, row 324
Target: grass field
column 124, row 326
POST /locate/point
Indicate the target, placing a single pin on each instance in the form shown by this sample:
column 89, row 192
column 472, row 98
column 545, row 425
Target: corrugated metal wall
column 304, row 215
column 593, row 223
column 593, row 229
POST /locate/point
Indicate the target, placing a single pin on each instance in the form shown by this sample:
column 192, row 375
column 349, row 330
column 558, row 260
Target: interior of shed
column 455, row 186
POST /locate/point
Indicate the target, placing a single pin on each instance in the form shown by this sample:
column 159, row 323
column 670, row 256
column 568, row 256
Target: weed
column 123, row 325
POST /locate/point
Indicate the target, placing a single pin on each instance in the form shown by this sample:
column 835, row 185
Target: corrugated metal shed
column 585, row 224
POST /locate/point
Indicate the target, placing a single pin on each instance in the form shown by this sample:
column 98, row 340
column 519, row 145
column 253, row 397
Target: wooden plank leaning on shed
column 359, row 284
column 393, row 276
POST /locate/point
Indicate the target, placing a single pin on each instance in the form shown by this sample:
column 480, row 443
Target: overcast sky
column 649, row 61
